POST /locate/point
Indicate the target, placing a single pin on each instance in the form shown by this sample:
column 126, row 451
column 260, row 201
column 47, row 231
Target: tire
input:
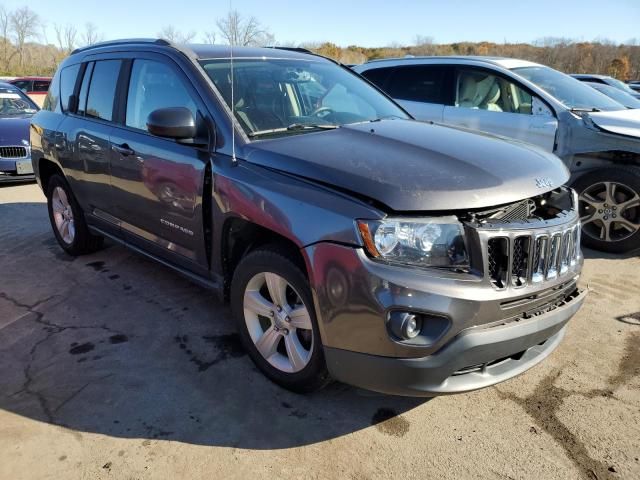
column 75, row 239
column 610, row 209
column 272, row 331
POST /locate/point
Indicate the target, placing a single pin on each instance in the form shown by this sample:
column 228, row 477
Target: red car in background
column 35, row 87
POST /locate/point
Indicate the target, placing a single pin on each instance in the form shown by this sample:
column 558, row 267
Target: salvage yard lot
column 112, row 366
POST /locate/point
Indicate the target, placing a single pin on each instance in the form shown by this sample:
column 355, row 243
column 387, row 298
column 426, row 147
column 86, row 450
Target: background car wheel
column 273, row 307
column 609, row 202
column 67, row 219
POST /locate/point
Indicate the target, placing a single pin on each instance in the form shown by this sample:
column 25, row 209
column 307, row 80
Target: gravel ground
column 112, row 366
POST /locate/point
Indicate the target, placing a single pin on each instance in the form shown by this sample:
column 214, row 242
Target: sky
column 348, row 22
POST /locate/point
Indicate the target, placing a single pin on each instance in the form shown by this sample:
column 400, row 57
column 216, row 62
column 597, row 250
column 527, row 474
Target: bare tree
column 176, row 36
column 67, row 36
column 24, row 24
column 210, row 37
column 5, row 28
column 90, row 35
column 237, row 30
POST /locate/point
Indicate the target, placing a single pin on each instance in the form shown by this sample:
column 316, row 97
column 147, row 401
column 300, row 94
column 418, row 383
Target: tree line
column 25, row 48
column 566, row 55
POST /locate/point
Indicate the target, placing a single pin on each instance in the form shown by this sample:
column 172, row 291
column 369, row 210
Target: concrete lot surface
column 112, row 366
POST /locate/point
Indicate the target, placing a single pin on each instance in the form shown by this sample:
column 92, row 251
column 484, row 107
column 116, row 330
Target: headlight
column 427, row 242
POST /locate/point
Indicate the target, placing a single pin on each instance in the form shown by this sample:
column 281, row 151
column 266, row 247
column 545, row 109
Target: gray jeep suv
column 352, row 242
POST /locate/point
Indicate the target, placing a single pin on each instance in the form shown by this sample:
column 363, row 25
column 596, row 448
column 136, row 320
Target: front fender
column 299, row 210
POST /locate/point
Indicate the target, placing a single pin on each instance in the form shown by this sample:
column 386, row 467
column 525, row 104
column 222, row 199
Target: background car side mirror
column 173, row 122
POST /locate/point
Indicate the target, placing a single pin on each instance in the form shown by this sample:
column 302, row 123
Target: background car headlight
column 426, row 242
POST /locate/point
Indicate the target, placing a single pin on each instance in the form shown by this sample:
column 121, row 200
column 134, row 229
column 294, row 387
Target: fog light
column 404, row 325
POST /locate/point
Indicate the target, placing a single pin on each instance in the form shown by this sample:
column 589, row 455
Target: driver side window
column 481, row 90
column 154, row 85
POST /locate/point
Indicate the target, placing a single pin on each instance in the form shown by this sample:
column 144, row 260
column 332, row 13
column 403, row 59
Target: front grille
column 517, row 260
column 13, row 152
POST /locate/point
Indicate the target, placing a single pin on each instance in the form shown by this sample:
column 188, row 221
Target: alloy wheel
column 63, row 215
column 609, row 211
column 278, row 322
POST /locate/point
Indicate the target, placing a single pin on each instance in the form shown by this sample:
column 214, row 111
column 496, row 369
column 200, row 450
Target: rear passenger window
column 102, row 89
column 154, row 85
column 419, row 84
column 67, row 84
column 84, row 89
column 40, row 86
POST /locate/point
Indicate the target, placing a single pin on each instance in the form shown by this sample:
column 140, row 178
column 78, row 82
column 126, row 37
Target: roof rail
column 294, row 49
column 109, row 43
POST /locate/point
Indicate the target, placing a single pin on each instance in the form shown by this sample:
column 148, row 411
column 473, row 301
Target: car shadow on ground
column 115, row 344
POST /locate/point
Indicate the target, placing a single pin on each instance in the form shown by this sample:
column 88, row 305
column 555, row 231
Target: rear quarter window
column 378, row 76
column 52, row 100
column 419, row 83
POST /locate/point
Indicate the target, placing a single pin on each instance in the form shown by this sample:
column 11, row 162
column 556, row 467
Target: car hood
column 14, row 131
column 622, row 122
column 414, row 166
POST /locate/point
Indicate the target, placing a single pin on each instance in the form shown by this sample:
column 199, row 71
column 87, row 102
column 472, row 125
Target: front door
column 491, row 103
column 157, row 183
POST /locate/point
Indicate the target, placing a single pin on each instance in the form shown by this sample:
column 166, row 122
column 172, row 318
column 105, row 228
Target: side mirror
column 173, row 122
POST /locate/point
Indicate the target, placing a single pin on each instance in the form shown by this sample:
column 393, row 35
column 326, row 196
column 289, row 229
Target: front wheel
column 273, row 307
column 609, row 203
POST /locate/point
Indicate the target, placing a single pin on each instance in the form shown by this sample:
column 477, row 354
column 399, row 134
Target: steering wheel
column 322, row 112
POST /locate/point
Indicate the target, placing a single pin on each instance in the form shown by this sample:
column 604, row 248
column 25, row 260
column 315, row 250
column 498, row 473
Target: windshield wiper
column 579, row 109
column 293, row 127
column 387, row 117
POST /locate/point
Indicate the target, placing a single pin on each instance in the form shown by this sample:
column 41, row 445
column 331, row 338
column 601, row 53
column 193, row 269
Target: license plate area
column 24, row 167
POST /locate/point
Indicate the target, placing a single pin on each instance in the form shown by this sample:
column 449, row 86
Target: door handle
column 123, row 150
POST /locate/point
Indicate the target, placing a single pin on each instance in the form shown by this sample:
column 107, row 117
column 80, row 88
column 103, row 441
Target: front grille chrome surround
column 536, row 255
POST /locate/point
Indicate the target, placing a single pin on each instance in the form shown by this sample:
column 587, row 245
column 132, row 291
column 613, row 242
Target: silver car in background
column 596, row 137
column 606, row 80
column 616, row 94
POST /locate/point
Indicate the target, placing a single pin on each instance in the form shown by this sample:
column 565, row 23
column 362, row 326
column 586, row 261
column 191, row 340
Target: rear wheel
column 609, row 202
column 67, row 219
column 273, row 307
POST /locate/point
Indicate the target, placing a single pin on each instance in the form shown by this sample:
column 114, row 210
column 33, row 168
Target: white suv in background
column 597, row 138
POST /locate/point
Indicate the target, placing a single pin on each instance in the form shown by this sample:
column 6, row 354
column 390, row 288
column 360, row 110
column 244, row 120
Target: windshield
column 15, row 103
column 571, row 92
column 618, row 95
column 620, row 85
column 283, row 97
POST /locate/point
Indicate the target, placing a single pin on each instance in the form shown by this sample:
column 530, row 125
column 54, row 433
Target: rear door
column 488, row 102
column 88, row 126
column 157, row 183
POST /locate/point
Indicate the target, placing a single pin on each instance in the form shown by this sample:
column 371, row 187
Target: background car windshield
column 621, row 85
column 571, row 92
column 15, row 103
column 617, row 94
column 275, row 94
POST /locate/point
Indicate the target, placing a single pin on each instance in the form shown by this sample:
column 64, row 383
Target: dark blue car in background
column 16, row 110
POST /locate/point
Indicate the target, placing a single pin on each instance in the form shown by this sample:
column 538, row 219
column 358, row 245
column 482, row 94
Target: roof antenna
column 233, row 101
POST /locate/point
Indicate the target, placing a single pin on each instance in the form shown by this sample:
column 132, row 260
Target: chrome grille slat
column 534, row 256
